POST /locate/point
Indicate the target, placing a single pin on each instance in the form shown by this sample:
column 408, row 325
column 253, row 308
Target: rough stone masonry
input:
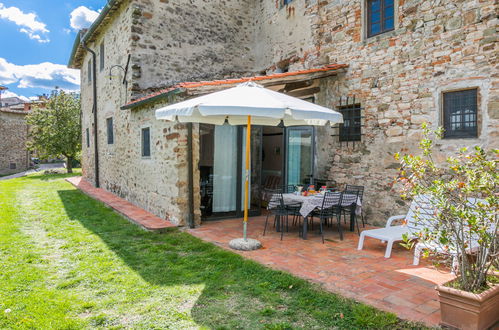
column 397, row 77
column 14, row 156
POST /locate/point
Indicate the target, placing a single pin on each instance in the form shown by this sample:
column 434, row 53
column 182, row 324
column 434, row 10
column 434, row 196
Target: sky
column 36, row 38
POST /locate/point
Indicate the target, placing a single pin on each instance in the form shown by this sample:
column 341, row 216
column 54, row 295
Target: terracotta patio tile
column 134, row 213
column 392, row 284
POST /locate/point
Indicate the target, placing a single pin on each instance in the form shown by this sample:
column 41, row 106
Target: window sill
column 382, row 36
column 452, row 138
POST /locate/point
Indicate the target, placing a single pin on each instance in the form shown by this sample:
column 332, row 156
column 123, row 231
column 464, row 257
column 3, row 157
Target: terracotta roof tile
column 195, row 84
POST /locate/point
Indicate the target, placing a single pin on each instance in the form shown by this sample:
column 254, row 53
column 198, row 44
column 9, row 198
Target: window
column 380, row 16
column 89, row 71
column 350, row 130
column 87, row 134
column 460, row 114
column 101, row 56
column 146, row 142
column 110, row 132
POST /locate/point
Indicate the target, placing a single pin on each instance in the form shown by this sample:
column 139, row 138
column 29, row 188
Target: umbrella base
column 245, row 245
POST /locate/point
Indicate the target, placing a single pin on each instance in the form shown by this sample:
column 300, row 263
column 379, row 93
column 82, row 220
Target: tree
column 55, row 129
column 464, row 193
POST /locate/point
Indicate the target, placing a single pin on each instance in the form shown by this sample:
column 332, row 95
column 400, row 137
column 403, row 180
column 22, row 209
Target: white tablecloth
column 310, row 203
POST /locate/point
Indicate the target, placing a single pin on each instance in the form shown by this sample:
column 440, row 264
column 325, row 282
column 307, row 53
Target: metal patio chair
column 360, row 189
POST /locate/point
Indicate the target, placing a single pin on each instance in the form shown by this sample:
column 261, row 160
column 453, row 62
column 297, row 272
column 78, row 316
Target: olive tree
column 55, row 129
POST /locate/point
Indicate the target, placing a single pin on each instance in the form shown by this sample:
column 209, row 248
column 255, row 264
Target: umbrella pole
column 246, row 183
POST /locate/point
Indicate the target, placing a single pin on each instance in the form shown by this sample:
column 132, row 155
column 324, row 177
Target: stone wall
column 284, row 35
column 156, row 183
column 399, row 78
column 175, row 41
column 13, row 138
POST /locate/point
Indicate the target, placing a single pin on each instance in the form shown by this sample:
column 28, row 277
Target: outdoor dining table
column 312, row 202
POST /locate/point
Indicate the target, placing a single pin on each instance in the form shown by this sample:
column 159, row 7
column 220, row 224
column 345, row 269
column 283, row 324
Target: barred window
column 101, row 56
column 87, row 133
column 350, row 130
column 146, row 142
column 89, row 71
column 460, row 114
column 110, row 132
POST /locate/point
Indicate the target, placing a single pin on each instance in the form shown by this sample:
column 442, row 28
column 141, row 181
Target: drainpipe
column 94, row 85
column 190, row 175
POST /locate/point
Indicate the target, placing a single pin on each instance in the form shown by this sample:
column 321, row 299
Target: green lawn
column 68, row 262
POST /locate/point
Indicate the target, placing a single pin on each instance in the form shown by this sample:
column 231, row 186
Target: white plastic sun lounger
column 419, row 212
column 437, row 248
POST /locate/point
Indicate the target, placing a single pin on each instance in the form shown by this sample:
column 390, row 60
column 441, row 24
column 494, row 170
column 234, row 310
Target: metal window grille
column 146, row 142
column 351, row 129
column 380, row 16
column 110, row 132
column 460, row 114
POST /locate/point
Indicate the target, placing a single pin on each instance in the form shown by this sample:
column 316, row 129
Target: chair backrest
column 421, row 213
column 276, row 200
column 359, row 189
column 331, row 199
column 350, row 197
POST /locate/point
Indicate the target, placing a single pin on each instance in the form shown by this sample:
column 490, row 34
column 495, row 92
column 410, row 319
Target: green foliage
column 69, row 262
column 55, row 130
column 463, row 191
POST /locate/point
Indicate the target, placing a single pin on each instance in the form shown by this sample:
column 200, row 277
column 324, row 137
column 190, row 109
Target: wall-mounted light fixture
column 125, row 71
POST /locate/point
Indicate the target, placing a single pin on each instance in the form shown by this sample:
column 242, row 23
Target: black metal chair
column 360, row 189
column 349, row 205
column 331, row 207
column 280, row 211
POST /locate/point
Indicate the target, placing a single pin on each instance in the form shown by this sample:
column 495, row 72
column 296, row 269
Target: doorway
column 287, row 156
column 222, row 176
column 272, row 157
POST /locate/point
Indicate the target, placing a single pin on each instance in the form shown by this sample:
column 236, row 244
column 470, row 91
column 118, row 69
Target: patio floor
column 393, row 285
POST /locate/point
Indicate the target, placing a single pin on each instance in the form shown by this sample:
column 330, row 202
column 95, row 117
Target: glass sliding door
column 299, row 155
column 222, row 170
column 225, row 169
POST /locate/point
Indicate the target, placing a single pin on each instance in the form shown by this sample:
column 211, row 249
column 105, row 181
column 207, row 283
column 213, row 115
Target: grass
column 68, row 262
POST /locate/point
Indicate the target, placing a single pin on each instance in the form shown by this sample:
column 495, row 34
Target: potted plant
column 463, row 192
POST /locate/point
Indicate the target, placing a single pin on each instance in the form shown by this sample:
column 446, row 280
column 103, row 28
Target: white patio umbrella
column 248, row 104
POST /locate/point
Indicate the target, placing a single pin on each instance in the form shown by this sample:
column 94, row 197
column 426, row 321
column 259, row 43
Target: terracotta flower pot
column 464, row 310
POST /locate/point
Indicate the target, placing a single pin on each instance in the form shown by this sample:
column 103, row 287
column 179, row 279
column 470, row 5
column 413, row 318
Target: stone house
column 387, row 65
column 14, row 155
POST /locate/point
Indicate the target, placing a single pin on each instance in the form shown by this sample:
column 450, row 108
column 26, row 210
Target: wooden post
column 246, row 183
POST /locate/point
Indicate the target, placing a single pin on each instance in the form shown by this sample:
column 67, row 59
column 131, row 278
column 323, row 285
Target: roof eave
column 267, row 82
column 76, row 45
column 84, row 35
column 155, row 98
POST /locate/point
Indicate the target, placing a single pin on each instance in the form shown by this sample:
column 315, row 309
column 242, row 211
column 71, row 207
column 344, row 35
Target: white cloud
column 44, row 75
column 82, row 17
column 6, row 94
column 28, row 23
